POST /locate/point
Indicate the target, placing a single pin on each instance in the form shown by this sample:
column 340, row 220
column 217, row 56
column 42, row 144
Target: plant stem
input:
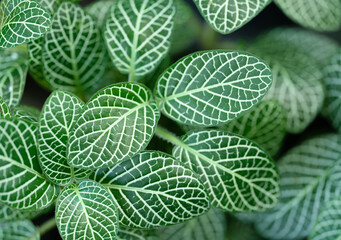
column 132, row 77
column 47, row 226
column 168, row 136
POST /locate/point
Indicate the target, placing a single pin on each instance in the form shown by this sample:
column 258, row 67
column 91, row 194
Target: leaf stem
column 47, row 226
column 168, row 136
column 132, row 77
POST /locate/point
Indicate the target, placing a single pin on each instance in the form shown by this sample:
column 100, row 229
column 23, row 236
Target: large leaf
column 213, row 87
column 86, row 211
column 138, row 34
column 22, row 184
column 314, row 14
column 21, row 230
column 27, row 113
column 227, row 16
column 13, row 70
column 153, row 189
column 310, row 175
column 73, row 54
column 238, row 174
column 265, row 124
column 5, row 111
column 22, row 21
column 60, row 113
column 116, row 124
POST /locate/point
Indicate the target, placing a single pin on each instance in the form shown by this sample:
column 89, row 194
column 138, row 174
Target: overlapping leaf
column 22, row 185
column 213, row 87
column 153, row 189
column 265, row 124
column 227, row 16
column 21, row 230
column 27, row 113
column 125, row 233
column 138, row 34
column 117, row 123
column 86, row 211
column 73, row 54
column 238, row 174
column 314, row 14
column 59, row 115
column 5, row 111
column 100, row 10
column 309, row 177
column 8, row 214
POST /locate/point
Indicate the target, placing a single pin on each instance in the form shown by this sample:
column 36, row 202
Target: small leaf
column 23, row 185
column 116, row 124
column 153, row 189
column 60, row 113
column 99, row 10
column 5, row 111
column 265, row 124
column 238, row 174
column 314, row 14
column 27, row 113
column 22, row 21
column 21, row 230
column 309, row 177
column 138, row 34
column 213, row 87
column 86, row 211
column 227, row 16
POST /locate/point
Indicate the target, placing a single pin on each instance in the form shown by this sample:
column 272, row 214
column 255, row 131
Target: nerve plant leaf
column 213, row 87
column 153, row 189
column 227, row 16
column 86, row 211
column 116, row 124
column 5, row 111
column 60, row 113
column 20, row 230
column 314, row 14
column 265, row 124
column 23, row 185
column 238, row 174
column 309, row 177
column 27, row 113
column 22, row 21
column 8, row 214
column 138, row 34
column 125, row 233
column 99, row 10
column 73, row 54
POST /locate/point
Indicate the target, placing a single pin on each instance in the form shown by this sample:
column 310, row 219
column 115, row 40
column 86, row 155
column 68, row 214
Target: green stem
column 47, row 226
column 132, row 77
column 168, row 136
column 209, row 38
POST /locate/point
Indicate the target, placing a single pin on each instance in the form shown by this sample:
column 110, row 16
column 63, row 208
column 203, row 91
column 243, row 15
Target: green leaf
column 309, row 177
column 125, row 233
column 328, row 222
column 138, row 34
column 314, row 14
column 116, row 124
column 227, row 16
column 238, row 230
column 99, row 10
column 213, row 87
column 238, row 174
column 5, row 111
column 22, row 21
column 60, row 113
column 21, row 230
column 211, row 226
column 76, row 61
column 27, row 113
column 8, row 214
column 153, row 189
column 265, row 124
column 86, row 211
column 23, row 185
column 13, row 70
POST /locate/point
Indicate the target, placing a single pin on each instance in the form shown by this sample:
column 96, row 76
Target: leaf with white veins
column 5, row 111
column 20, row 230
column 27, row 113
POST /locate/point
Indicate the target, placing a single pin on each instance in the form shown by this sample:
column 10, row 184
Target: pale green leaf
column 86, row 211
column 22, row 184
column 5, row 111
column 60, row 113
column 212, row 87
column 310, row 175
column 27, row 113
column 99, row 10
column 153, row 189
column 8, row 214
column 125, row 233
column 265, row 124
column 116, row 124
column 238, row 174
column 21, row 230
column 227, row 16
column 138, row 34
column 319, row 15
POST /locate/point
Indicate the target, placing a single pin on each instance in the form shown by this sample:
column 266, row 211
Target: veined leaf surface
column 5, row 111
column 314, row 14
column 23, row 185
column 20, row 230
column 85, row 212
column 27, row 113
column 153, row 189
column 22, row 21
column 59, row 115
column 310, row 175
column 100, row 10
column 138, row 34
column 238, row 174
column 116, row 124
column 227, row 16
column 125, row 233
column 212, row 87
column 8, row 214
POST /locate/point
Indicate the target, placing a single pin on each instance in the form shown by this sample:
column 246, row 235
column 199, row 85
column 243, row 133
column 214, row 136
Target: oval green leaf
column 5, row 111
column 20, row 230
column 27, row 113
